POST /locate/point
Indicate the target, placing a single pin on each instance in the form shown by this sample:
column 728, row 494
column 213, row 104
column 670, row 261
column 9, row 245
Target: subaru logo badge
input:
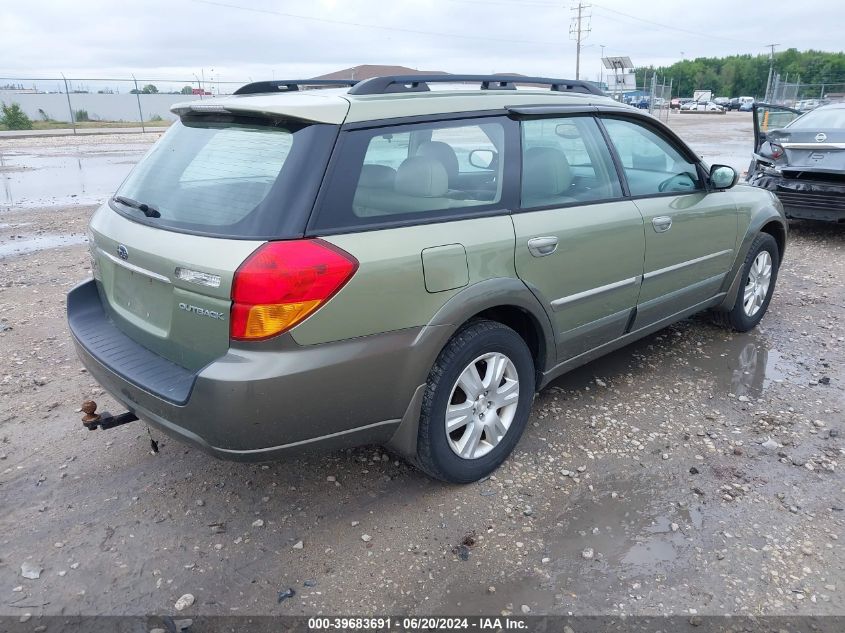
column 821, row 137
column 122, row 252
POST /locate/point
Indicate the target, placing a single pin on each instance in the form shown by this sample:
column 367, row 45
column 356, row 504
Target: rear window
column 230, row 177
column 823, row 118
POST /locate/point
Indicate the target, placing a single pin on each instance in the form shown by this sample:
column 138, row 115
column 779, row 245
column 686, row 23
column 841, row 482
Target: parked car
column 722, row 101
column 801, row 158
column 710, row 106
column 677, row 102
column 390, row 263
column 746, row 104
column 702, row 106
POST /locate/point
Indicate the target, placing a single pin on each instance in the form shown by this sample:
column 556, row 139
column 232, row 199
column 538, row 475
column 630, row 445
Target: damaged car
column 800, row 157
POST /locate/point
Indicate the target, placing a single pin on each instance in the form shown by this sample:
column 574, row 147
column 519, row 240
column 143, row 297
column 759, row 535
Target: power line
column 510, row 3
column 371, row 26
column 709, row 36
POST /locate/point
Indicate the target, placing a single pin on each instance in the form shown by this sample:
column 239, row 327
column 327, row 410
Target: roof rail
column 419, row 83
column 289, row 85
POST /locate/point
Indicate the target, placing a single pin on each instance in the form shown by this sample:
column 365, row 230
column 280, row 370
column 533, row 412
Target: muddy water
column 43, row 176
column 633, row 533
column 40, row 243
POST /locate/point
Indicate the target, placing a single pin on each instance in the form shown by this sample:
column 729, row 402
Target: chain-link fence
column 803, row 96
column 660, row 97
column 128, row 103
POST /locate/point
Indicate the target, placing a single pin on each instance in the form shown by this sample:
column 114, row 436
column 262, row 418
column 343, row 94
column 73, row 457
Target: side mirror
column 723, row 176
column 482, row 158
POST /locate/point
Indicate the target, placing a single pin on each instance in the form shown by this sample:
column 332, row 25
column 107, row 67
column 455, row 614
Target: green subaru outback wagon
column 404, row 260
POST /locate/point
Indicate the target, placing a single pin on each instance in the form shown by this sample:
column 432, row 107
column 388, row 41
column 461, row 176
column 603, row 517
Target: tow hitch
column 104, row 420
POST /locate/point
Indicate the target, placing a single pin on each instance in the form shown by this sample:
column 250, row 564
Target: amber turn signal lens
column 267, row 320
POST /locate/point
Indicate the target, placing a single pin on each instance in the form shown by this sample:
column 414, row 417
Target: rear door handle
column 542, row 246
column 661, row 223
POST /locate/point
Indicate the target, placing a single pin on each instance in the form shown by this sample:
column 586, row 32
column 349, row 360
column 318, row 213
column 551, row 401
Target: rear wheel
column 759, row 274
column 476, row 403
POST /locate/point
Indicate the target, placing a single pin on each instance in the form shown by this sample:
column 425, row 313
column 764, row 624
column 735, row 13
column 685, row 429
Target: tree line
column 746, row 75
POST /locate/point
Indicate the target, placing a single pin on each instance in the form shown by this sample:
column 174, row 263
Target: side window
column 566, row 161
column 414, row 173
column 388, row 150
column 470, row 144
column 651, row 164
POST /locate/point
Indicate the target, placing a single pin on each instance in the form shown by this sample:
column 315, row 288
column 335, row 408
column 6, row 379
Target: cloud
column 160, row 39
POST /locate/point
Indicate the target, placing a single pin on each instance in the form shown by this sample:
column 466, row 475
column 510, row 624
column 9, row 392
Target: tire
column 739, row 318
column 480, row 344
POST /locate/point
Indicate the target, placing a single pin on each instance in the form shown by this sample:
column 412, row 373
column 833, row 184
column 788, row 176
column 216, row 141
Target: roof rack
column 419, row 83
column 289, row 85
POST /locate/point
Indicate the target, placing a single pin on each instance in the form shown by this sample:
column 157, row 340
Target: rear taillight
column 282, row 283
column 772, row 150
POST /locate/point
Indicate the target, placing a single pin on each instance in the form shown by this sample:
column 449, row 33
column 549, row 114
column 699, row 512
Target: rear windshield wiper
column 147, row 210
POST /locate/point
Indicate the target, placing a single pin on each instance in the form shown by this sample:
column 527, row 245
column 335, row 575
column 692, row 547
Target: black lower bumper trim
column 806, row 199
column 102, row 339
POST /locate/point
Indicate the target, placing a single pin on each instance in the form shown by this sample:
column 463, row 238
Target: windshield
column 821, row 119
column 227, row 176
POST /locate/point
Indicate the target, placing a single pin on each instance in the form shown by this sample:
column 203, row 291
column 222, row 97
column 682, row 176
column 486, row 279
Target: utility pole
column 771, row 69
column 578, row 31
column 601, row 67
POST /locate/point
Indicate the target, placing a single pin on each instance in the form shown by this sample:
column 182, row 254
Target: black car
column 800, row 157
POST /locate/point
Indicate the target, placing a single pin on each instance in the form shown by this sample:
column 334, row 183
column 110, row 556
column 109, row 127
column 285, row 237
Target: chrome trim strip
column 813, row 145
column 133, row 267
column 691, row 262
column 559, row 303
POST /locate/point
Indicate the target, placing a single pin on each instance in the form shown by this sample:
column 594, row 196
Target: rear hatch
column 207, row 195
column 801, row 145
column 818, row 150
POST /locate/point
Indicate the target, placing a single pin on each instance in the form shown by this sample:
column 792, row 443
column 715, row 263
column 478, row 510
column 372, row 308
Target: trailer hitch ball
column 89, row 408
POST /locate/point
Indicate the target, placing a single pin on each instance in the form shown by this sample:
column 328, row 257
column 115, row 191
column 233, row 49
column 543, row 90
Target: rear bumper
column 256, row 402
column 805, row 199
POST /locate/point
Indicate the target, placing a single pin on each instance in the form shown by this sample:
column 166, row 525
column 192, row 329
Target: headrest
column 380, row 176
column 421, row 176
column 545, row 172
column 442, row 152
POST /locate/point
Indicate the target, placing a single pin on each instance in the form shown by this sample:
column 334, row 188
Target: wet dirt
column 43, row 242
column 40, row 172
column 645, row 483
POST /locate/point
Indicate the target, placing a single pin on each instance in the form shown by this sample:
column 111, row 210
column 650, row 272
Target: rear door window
column 566, row 161
column 415, row 173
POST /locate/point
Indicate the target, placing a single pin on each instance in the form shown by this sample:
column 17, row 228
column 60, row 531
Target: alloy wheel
column 757, row 284
column 482, row 405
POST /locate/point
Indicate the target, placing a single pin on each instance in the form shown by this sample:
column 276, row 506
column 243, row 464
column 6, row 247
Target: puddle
column 745, row 365
column 41, row 243
column 64, row 175
column 632, row 533
column 632, row 538
column 740, row 364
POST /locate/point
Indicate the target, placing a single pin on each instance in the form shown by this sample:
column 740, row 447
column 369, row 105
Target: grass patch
column 64, row 125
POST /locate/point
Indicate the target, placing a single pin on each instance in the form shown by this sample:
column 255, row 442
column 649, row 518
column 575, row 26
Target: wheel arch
column 505, row 300
column 768, row 219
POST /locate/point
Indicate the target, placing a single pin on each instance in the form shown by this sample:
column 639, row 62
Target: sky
column 243, row 40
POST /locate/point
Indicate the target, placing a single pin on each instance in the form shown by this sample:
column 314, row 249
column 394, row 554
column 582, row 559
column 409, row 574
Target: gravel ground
column 694, row 472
